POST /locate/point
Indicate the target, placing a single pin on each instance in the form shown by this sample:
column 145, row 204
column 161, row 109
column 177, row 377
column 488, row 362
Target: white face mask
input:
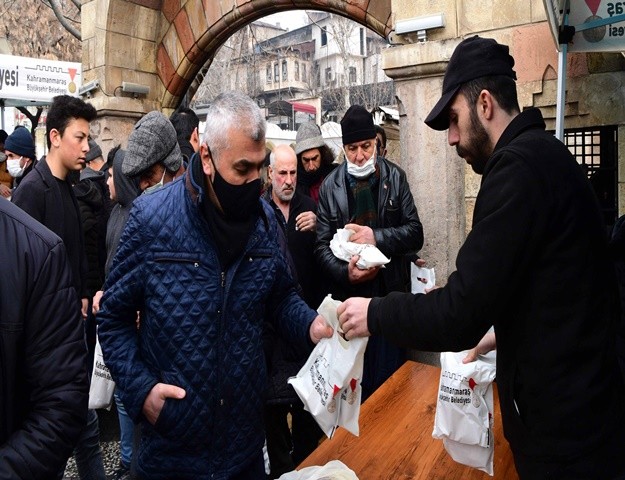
column 363, row 171
column 154, row 188
column 13, row 167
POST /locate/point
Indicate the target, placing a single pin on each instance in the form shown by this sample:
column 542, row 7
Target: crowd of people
column 201, row 284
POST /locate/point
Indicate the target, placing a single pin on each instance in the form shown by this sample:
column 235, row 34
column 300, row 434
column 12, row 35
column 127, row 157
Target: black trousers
column 286, row 447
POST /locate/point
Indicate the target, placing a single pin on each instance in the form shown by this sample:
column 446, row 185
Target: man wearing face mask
column 153, row 157
column 19, row 148
column 371, row 196
column 201, row 262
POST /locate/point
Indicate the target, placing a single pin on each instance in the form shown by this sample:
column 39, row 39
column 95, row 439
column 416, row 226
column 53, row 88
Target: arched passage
column 164, row 43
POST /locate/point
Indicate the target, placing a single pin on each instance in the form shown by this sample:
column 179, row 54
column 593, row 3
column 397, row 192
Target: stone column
column 435, row 172
column 119, row 45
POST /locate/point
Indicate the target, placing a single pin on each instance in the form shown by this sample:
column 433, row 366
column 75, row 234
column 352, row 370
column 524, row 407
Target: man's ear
column 207, row 161
column 55, row 137
column 485, row 105
column 194, row 140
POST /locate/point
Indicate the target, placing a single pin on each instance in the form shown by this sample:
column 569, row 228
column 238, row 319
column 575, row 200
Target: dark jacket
column 284, row 361
column 43, row 377
column 399, row 236
column 126, row 190
column 535, row 265
column 400, row 233
column 94, row 203
column 201, row 329
column 40, row 197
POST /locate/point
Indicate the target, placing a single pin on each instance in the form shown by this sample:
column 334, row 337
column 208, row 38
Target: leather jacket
column 399, row 235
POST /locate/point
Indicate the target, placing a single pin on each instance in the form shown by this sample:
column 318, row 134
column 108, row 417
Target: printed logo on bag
column 353, row 394
column 332, row 404
column 475, row 399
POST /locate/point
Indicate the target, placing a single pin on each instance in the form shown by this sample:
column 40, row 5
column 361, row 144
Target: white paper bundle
column 342, row 248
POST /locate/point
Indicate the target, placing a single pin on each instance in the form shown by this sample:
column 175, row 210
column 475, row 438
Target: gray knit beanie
column 308, row 137
column 153, row 140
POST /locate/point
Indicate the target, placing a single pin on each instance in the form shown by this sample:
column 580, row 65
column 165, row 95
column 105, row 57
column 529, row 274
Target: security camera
column 420, row 23
column 89, row 87
column 135, row 88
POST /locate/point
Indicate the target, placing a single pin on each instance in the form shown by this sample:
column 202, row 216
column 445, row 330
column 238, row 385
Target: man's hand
column 361, row 234
column 356, row 275
column 485, row 345
column 156, row 399
column 352, row 315
column 84, row 305
column 95, row 307
column 306, row 222
column 5, row 191
column 320, row 329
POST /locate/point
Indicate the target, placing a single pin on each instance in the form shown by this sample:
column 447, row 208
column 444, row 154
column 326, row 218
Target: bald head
column 283, row 173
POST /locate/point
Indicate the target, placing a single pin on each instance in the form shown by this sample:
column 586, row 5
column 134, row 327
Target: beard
column 286, row 195
column 477, row 148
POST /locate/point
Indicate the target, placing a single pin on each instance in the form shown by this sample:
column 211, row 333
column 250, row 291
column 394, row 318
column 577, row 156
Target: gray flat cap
column 152, row 140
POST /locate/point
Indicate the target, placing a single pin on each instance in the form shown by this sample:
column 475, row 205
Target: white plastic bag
column 333, row 470
column 342, row 248
column 102, row 384
column 464, row 409
column 329, row 383
column 421, row 278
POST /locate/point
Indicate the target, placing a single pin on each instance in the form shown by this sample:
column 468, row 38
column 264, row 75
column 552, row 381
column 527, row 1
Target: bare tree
column 68, row 21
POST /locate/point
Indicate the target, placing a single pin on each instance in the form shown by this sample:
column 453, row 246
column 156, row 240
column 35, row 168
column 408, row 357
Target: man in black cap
column 371, row 196
column 536, row 266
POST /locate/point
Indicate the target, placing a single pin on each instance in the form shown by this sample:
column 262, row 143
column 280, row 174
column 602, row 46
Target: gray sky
column 292, row 19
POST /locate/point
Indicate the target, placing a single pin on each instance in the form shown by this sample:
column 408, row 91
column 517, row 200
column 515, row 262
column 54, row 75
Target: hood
column 126, row 189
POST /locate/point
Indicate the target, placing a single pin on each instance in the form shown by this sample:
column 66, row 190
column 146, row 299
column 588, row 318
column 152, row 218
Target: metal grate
column 595, row 149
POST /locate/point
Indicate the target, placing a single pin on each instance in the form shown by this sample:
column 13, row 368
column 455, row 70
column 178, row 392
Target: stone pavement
column 109, row 441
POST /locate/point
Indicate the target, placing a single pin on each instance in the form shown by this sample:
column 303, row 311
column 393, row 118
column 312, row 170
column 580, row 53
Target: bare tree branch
column 34, row 119
column 57, row 8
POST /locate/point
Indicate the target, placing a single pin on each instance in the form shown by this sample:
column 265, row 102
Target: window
column 324, row 36
column 352, row 75
column 269, row 73
column 285, row 70
column 304, row 79
column 328, row 74
column 297, row 71
column 276, row 72
column 595, row 149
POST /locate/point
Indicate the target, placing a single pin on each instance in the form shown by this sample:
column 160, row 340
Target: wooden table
column 396, row 441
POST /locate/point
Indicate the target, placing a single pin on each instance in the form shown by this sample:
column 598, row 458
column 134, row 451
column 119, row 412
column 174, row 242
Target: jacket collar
column 529, row 119
column 194, row 184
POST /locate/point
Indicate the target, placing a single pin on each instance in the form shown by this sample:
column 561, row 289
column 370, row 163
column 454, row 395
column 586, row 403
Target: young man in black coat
column 536, row 266
column 47, row 195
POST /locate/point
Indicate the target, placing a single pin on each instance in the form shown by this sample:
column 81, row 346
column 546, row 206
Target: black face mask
column 239, row 202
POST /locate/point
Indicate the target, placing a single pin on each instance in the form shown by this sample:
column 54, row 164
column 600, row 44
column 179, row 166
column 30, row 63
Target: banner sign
column 28, row 81
column 608, row 36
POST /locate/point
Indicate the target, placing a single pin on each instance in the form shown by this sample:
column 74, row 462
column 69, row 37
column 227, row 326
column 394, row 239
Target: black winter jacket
column 43, row 377
column 94, row 204
column 535, row 265
column 399, row 236
column 40, row 197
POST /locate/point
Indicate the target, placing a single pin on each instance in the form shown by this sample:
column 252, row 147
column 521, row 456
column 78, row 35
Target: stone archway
column 163, row 44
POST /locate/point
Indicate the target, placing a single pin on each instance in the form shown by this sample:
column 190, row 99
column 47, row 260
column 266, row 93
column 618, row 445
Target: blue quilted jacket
column 201, row 329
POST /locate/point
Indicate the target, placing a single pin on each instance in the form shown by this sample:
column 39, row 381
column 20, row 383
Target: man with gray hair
column 200, row 260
